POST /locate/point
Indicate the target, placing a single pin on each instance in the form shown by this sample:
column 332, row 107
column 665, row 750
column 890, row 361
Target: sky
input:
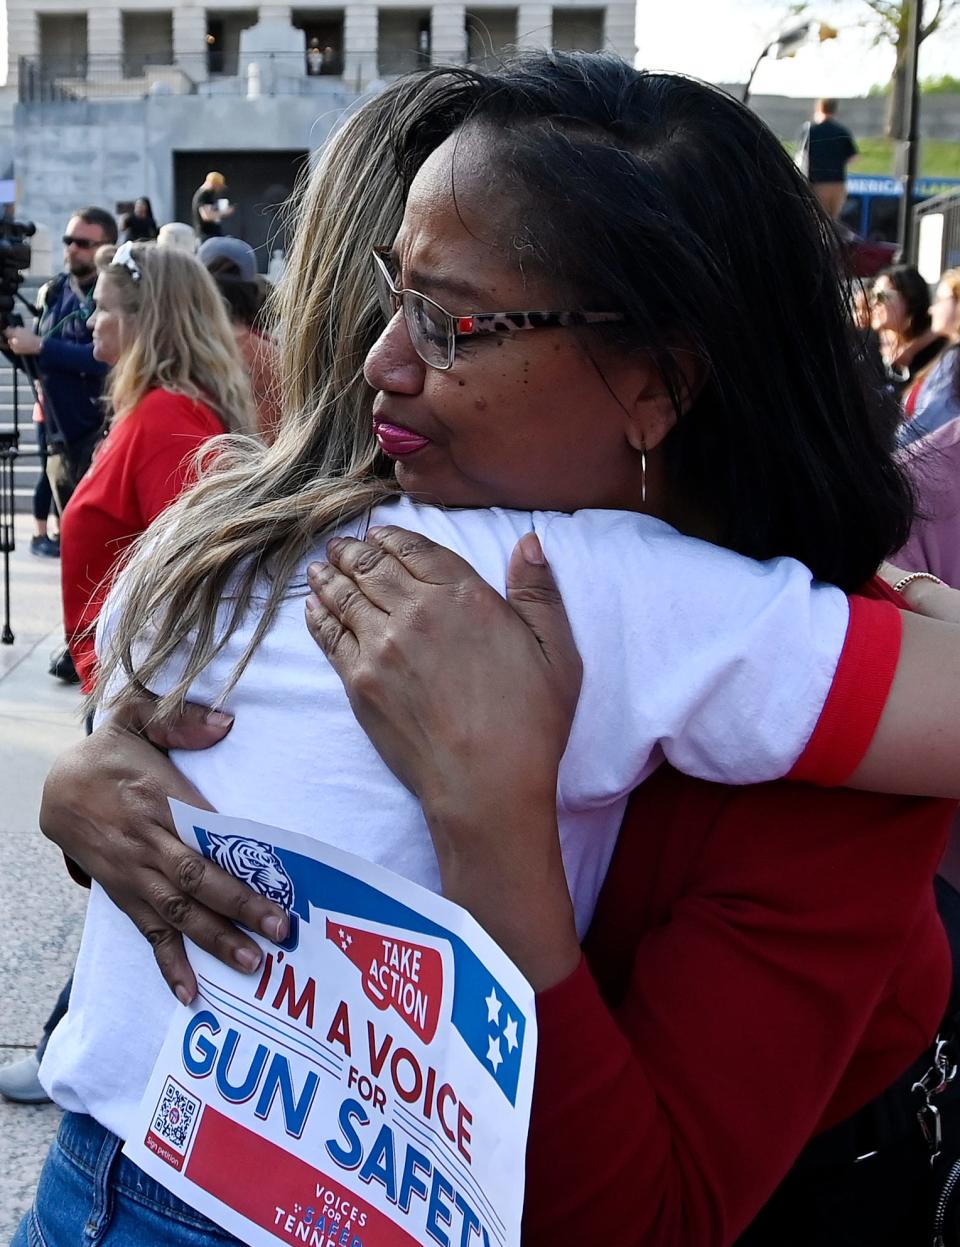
column 720, row 39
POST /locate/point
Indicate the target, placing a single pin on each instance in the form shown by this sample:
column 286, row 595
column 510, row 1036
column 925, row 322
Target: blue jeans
column 90, row 1195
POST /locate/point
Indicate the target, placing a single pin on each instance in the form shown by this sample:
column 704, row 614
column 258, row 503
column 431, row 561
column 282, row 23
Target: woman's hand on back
column 469, row 700
column 105, row 805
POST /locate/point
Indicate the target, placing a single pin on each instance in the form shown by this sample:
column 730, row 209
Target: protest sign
column 369, row 1086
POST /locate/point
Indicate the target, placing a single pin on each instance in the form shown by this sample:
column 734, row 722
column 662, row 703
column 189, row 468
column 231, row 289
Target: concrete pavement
column 41, row 910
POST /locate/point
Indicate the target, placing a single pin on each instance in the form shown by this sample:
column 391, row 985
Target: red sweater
column 762, row 962
column 141, row 468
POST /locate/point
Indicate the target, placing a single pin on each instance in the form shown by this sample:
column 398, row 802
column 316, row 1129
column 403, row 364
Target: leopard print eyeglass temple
column 434, row 331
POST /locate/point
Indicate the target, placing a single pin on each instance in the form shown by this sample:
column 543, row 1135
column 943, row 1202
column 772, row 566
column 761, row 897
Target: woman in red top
column 177, row 381
column 768, row 958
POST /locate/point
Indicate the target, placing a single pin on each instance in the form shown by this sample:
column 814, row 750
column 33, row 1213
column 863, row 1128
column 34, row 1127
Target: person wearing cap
column 211, row 207
column 232, row 263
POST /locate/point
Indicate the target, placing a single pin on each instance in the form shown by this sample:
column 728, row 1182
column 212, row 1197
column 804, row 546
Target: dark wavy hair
column 910, row 284
column 666, row 198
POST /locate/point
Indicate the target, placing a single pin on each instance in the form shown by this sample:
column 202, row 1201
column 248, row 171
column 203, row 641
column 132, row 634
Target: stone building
column 111, row 101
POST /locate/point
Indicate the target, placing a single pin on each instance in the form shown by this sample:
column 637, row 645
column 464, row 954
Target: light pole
column 787, row 44
column 908, row 146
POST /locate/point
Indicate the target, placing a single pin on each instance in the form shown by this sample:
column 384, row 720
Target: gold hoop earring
column 643, row 469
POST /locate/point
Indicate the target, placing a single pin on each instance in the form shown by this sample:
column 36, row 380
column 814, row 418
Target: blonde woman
column 177, row 381
column 934, row 399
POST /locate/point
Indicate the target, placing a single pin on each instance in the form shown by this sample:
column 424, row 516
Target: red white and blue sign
column 370, row 1086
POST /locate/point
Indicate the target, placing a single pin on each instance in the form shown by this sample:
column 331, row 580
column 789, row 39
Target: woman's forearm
column 513, row 886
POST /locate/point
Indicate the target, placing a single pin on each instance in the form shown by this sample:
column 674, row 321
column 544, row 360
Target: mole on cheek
column 461, row 383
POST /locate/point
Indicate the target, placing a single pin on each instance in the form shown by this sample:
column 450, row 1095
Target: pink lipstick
column 396, row 441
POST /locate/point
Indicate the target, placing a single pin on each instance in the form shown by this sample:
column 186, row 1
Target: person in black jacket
column 140, row 225
column 71, row 380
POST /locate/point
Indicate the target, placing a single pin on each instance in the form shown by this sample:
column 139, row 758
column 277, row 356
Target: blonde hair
column 951, row 278
column 261, row 508
column 182, row 340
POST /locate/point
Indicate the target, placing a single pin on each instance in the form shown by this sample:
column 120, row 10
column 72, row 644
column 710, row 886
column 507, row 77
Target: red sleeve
column 668, row 1118
column 859, row 692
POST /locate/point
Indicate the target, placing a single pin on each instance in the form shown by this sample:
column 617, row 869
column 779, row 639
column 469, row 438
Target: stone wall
column 101, row 152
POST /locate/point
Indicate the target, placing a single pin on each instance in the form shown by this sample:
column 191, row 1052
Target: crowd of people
column 73, row 411
column 613, row 560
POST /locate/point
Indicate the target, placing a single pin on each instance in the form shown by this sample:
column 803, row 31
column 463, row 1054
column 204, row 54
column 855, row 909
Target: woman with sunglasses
column 545, row 375
column 901, row 316
column 176, row 381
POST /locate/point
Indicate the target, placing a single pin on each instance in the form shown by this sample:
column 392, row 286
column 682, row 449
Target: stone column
column 535, row 25
column 620, row 30
column 359, row 46
column 104, row 45
column 23, row 38
column 190, row 41
column 448, row 34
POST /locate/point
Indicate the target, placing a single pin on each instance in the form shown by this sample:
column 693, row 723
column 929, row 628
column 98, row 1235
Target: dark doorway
column 323, row 32
column 258, row 183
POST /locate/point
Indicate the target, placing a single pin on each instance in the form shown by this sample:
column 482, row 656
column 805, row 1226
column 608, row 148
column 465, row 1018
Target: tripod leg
column 7, row 538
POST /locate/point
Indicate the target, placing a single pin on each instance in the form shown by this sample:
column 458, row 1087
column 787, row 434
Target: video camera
column 14, row 261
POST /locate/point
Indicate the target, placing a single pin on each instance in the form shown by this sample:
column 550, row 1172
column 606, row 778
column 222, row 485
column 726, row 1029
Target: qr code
column 175, row 1115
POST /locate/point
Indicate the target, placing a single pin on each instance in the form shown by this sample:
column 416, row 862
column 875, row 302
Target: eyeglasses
column 123, row 258
column 882, row 296
column 434, row 331
column 69, row 241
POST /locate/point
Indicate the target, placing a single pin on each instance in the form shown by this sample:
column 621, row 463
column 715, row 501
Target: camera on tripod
column 14, row 261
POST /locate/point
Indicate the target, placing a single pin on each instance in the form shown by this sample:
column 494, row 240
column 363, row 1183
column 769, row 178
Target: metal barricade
column 936, row 231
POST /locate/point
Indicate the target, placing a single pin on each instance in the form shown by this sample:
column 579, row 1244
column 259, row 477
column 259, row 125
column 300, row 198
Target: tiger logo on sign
column 255, row 863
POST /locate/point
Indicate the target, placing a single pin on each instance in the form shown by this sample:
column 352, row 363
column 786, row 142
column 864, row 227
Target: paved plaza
column 41, row 910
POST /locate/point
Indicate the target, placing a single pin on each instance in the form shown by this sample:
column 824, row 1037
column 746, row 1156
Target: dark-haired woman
column 901, row 316
column 139, row 225
column 759, row 977
column 934, row 398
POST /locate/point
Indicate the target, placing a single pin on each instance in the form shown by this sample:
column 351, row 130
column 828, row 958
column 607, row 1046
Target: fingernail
column 274, row 929
column 532, row 550
column 182, row 994
column 247, row 959
column 316, row 570
column 334, row 544
column 377, row 531
column 218, row 718
column 313, row 604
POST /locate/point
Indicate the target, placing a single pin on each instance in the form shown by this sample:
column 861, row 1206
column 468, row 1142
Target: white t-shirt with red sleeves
column 718, row 664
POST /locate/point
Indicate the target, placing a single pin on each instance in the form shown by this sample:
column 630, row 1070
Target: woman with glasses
column 525, row 370
column 901, row 316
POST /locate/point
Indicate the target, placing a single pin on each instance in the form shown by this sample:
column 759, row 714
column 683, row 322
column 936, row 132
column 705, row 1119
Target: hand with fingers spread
column 105, row 805
column 469, row 699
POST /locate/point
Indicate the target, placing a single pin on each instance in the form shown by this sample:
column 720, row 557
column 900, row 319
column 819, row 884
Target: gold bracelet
column 909, row 579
